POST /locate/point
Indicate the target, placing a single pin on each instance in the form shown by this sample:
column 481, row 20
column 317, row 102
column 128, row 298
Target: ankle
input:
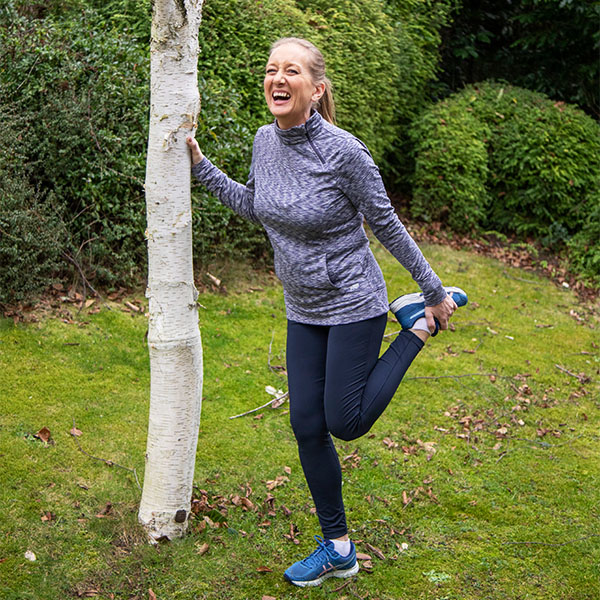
column 421, row 334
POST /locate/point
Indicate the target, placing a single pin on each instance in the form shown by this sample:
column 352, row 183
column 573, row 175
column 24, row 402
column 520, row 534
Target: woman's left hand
column 442, row 312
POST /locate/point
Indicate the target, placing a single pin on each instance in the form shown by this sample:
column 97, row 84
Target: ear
column 318, row 93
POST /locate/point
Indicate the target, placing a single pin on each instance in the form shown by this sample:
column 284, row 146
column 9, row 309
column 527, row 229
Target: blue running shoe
column 323, row 563
column 410, row 307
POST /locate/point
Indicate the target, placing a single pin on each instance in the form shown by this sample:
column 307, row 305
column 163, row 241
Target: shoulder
column 347, row 151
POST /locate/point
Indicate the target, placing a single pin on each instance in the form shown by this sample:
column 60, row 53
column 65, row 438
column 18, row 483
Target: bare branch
column 279, row 398
column 110, row 463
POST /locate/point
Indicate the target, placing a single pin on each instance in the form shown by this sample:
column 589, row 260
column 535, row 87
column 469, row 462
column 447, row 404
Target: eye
column 271, row 70
column 293, row 71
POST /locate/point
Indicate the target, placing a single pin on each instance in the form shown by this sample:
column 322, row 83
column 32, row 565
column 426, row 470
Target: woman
column 310, row 185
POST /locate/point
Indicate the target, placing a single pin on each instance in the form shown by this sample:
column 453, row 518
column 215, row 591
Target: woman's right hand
column 197, row 155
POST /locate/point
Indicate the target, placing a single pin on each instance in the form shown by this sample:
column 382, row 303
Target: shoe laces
column 319, row 556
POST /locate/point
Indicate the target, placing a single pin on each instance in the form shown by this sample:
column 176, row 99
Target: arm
column 238, row 197
column 361, row 182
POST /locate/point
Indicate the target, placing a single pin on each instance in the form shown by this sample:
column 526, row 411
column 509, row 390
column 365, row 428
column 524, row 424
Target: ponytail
column 326, row 105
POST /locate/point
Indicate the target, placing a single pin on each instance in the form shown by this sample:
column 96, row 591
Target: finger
column 430, row 322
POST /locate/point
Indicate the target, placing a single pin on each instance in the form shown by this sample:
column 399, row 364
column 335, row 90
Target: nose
column 278, row 78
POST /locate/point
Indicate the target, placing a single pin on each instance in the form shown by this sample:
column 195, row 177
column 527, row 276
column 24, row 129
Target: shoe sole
column 461, row 298
column 319, row 580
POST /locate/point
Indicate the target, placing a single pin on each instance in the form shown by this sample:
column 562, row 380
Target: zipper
column 314, row 148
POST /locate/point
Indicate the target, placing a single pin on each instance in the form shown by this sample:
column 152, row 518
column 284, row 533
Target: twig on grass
column 279, row 398
column 519, row 278
column 585, row 537
column 340, row 588
column 456, row 376
column 110, row 463
column 581, row 377
column 276, row 368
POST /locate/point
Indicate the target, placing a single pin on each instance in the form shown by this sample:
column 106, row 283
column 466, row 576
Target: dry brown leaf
column 105, row 511
column 279, row 480
column 288, row 470
column 44, row 435
column 75, row 432
column 203, row 549
column 362, row 556
column 151, row 595
column 405, row 499
column 263, row 569
column 269, row 598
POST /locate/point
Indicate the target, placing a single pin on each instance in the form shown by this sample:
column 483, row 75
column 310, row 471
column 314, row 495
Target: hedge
column 500, row 157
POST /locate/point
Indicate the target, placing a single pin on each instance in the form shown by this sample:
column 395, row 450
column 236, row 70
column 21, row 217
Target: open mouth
column 279, row 96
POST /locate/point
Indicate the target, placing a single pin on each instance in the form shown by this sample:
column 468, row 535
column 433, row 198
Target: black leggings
column 338, row 385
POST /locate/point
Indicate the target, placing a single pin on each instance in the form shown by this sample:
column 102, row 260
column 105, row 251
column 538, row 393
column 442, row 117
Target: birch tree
column 173, row 334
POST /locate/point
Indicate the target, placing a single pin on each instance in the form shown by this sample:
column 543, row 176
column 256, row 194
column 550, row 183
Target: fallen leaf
column 263, row 569
column 48, row 516
column 203, row 549
column 279, row 480
column 43, row 434
column 151, row 595
column 105, row 511
column 75, row 432
column 288, row 470
column 367, row 566
column 269, row 598
column 362, row 556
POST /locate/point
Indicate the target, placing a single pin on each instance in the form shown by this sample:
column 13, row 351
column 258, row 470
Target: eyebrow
column 289, row 64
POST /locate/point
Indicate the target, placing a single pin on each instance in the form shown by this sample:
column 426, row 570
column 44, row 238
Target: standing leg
column 359, row 386
column 306, row 361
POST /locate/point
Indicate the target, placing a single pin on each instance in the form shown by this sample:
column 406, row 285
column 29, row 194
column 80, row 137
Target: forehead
column 289, row 53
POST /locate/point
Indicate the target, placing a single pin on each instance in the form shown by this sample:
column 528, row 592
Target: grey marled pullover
column 310, row 186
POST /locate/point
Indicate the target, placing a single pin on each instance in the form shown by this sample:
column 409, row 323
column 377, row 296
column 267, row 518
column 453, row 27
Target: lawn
column 480, row 481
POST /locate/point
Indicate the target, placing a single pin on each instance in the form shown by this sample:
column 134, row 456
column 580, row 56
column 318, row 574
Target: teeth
column 280, row 95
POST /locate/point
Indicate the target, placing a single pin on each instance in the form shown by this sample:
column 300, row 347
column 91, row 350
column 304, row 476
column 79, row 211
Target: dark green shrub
column 30, row 231
column 417, row 26
column 77, row 73
column 451, row 167
column 542, row 176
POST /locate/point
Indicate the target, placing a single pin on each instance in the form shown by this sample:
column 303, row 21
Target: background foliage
column 549, row 46
column 494, row 156
column 75, row 72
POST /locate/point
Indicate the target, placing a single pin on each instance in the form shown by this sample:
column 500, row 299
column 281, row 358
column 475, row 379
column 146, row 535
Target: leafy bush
column 451, row 167
column 30, row 232
column 542, row 171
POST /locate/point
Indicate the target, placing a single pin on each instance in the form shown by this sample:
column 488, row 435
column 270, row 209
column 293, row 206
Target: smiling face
column 289, row 89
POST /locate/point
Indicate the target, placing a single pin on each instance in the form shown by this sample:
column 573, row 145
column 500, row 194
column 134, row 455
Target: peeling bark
column 173, row 334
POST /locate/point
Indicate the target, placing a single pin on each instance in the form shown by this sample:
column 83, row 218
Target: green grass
column 507, row 507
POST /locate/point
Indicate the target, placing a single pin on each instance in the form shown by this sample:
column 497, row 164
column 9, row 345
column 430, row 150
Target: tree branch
column 110, row 463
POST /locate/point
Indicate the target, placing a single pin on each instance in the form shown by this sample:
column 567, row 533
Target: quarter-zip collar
column 301, row 133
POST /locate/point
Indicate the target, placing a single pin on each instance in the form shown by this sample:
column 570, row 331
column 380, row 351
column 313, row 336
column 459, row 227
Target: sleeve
column 238, row 197
column 360, row 180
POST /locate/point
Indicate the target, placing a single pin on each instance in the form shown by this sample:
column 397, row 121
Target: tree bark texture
column 173, row 334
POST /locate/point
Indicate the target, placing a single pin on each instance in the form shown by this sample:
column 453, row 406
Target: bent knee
column 346, row 431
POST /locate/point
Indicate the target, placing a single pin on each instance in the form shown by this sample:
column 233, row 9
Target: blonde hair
column 316, row 65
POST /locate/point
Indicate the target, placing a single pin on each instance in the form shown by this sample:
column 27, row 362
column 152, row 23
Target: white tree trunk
column 173, row 333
